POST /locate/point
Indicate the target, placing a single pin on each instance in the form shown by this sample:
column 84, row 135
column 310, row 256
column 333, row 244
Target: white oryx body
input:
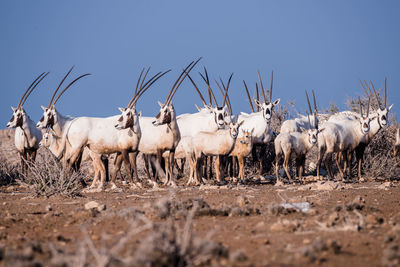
column 294, row 145
column 396, row 143
column 27, row 137
column 219, row 143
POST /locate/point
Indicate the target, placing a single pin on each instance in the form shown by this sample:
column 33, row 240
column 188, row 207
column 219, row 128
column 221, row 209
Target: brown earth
column 347, row 224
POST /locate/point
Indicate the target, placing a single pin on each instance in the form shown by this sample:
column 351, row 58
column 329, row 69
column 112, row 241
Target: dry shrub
column 378, row 158
column 47, row 177
column 8, row 173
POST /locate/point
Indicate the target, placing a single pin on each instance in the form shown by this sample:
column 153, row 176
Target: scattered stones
column 48, row 208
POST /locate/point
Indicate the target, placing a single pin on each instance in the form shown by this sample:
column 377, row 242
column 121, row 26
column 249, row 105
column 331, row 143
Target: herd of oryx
column 213, row 131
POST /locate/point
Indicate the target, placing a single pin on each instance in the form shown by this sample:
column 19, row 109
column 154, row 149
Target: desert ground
column 327, row 223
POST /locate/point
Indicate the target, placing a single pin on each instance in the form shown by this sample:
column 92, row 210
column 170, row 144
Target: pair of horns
column 65, row 89
column 31, row 88
column 375, row 93
column 139, row 90
column 262, row 87
column 211, row 96
column 315, row 103
column 179, row 81
column 361, row 110
column 224, row 92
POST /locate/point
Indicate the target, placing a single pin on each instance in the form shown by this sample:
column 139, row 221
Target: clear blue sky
column 320, row 45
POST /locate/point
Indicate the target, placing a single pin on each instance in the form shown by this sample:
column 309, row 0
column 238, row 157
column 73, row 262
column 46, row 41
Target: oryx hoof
column 279, row 182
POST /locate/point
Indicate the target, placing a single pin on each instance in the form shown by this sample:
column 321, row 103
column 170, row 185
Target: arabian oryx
column 342, row 134
column 380, row 121
column 297, row 144
column 27, row 137
column 207, row 119
column 260, row 122
column 101, row 137
column 162, row 133
column 396, row 143
column 242, row 148
column 305, row 122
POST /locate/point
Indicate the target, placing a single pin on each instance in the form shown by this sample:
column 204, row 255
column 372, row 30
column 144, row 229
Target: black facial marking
column 12, row 119
column 220, row 117
column 120, row 119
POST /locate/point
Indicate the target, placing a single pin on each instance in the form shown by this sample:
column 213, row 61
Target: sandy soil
column 343, row 224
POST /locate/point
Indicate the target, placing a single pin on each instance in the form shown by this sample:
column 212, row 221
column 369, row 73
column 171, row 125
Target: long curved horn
column 248, row 96
column 55, row 92
column 148, row 84
column 361, row 111
column 138, row 81
column 385, row 95
column 258, row 96
column 308, row 102
column 208, row 84
column 376, row 95
column 210, row 91
column 369, row 89
column 185, row 73
column 368, row 107
column 270, row 87
column 65, row 89
column 30, row 86
column 33, row 88
column 365, row 90
column 198, row 91
column 225, row 95
column 315, row 102
column 262, row 87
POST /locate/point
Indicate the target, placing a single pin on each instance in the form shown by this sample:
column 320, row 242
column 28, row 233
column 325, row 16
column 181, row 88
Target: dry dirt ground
column 338, row 224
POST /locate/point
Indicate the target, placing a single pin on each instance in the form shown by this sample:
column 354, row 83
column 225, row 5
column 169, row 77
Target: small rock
column 238, row 256
column 91, row 205
column 48, row 208
column 373, row 219
column 101, row 207
column 267, row 242
column 242, row 201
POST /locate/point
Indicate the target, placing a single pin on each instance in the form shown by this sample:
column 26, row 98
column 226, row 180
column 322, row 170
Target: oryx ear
column 257, row 103
column 160, row 104
column 44, row 108
column 321, row 130
column 303, row 130
column 13, row 109
column 240, row 123
column 276, row 102
column 197, row 107
column 390, row 107
column 121, row 109
column 140, row 114
column 252, row 131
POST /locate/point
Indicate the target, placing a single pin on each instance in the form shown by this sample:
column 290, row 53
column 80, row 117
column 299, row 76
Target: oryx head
column 129, row 117
column 246, row 137
column 167, row 112
column 383, row 110
column 234, row 128
column 364, row 119
column 222, row 114
column 19, row 115
column 49, row 117
column 267, row 105
column 47, row 138
column 312, row 134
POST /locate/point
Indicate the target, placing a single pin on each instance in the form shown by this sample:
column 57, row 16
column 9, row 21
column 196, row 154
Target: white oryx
column 98, row 134
column 396, row 143
column 260, row 122
column 219, row 143
column 379, row 121
column 27, row 137
column 161, row 134
column 305, row 122
column 342, row 134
